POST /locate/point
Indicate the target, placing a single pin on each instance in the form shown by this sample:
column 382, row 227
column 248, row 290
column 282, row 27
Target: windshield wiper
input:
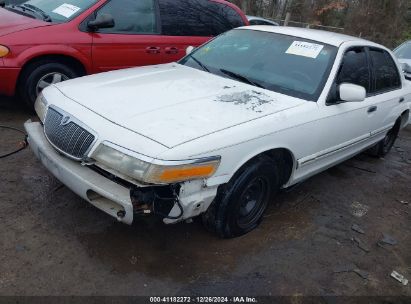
column 33, row 10
column 199, row 63
column 241, row 78
column 46, row 17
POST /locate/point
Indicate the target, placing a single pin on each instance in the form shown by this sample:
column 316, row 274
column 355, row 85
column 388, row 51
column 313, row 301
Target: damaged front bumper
column 121, row 200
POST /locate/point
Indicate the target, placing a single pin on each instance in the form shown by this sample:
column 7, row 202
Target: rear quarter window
column 386, row 74
column 202, row 18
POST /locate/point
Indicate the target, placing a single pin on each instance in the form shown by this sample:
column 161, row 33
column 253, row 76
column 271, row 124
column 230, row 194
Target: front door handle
column 402, row 99
column 153, row 50
column 172, row 50
column 372, row 109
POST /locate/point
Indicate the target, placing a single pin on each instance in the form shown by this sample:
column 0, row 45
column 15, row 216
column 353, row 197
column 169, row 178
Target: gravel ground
column 54, row 243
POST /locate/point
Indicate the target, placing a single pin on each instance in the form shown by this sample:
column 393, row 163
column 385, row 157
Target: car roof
column 252, row 18
column 256, row 18
column 331, row 38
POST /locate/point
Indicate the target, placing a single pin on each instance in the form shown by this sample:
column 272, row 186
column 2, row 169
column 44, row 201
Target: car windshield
column 54, row 10
column 285, row 64
column 404, row 51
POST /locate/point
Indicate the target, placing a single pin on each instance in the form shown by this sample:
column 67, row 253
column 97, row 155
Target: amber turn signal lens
column 170, row 175
column 4, row 51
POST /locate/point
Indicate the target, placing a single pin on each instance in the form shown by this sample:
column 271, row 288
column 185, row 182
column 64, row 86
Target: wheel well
column 68, row 60
column 283, row 157
column 405, row 117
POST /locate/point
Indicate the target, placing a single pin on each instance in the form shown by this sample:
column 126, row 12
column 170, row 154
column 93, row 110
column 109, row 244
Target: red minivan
column 48, row 41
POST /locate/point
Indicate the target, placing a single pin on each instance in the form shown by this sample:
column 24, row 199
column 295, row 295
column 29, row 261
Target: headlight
column 4, row 51
column 41, row 107
column 121, row 162
column 172, row 172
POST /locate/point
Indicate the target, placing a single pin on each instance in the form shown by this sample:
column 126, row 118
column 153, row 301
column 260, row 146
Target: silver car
column 260, row 21
column 403, row 53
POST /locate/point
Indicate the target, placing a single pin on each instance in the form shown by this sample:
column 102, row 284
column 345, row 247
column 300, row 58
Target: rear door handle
column 402, row 99
column 153, row 50
column 372, row 109
column 172, row 50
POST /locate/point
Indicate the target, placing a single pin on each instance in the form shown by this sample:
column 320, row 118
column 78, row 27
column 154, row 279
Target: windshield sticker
column 305, row 49
column 66, row 10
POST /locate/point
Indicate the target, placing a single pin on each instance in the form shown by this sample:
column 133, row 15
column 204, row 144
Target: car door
column 192, row 23
column 387, row 92
column 344, row 127
column 135, row 39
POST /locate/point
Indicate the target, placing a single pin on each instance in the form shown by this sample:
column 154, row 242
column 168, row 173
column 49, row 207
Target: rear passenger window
column 355, row 69
column 386, row 75
column 131, row 16
column 202, row 18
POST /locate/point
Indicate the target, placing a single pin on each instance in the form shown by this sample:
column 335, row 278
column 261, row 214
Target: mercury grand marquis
column 218, row 133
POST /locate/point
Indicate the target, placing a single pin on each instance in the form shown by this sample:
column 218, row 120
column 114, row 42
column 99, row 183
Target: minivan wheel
column 384, row 146
column 40, row 75
column 240, row 204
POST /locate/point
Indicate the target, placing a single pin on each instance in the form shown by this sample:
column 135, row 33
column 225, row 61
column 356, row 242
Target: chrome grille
column 69, row 137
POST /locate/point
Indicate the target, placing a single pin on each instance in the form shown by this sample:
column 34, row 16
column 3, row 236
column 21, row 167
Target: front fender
column 82, row 54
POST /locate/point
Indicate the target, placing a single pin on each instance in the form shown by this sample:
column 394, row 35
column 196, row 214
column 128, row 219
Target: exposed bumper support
column 195, row 198
column 104, row 194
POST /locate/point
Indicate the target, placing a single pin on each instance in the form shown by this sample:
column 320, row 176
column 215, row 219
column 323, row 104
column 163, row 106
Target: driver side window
column 355, row 69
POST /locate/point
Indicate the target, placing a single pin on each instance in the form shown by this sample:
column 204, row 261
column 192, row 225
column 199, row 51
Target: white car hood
column 173, row 104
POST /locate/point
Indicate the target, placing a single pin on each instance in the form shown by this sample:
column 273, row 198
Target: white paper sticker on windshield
column 306, row 49
column 66, row 10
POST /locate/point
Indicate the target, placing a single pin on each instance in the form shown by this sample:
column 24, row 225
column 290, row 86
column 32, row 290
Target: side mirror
column 102, row 21
column 352, row 93
column 190, row 49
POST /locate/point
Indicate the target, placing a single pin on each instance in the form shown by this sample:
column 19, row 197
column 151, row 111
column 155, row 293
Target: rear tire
column 39, row 75
column 240, row 205
column 384, row 147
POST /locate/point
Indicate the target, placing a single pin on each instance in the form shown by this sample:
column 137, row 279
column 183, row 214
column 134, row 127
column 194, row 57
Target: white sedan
column 219, row 133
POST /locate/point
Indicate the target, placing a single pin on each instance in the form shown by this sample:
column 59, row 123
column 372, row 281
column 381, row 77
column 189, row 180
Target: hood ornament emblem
column 65, row 120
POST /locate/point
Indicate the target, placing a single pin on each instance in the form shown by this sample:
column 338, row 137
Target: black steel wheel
column 240, row 205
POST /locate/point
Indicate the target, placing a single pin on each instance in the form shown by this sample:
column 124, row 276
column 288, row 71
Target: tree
column 383, row 21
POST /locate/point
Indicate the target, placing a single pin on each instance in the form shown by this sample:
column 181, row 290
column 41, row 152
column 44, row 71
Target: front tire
column 240, row 204
column 41, row 74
